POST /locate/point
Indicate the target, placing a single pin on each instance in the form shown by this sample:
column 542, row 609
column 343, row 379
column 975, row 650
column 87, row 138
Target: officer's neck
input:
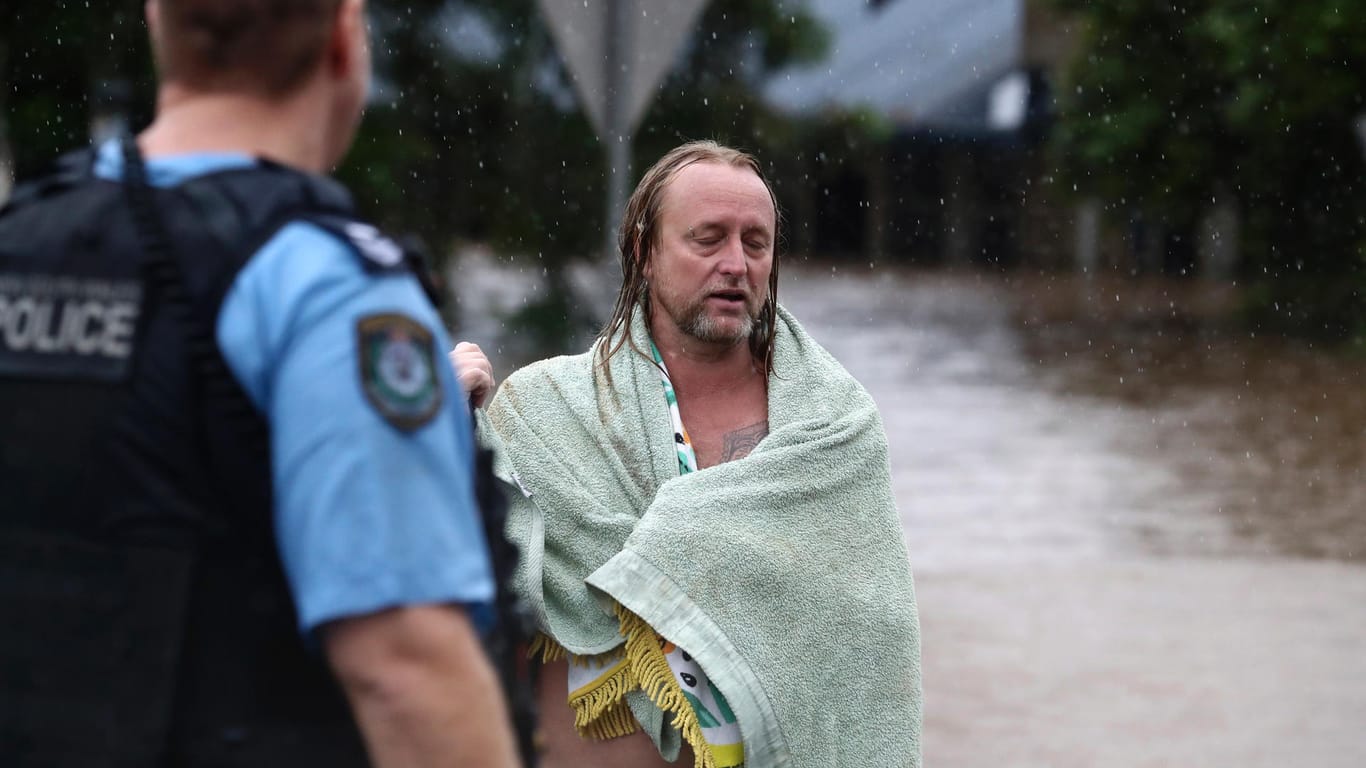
column 283, row 130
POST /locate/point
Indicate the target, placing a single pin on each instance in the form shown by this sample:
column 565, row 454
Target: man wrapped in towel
column 704, row 508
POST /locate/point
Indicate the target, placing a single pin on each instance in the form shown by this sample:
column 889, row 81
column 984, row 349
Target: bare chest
column 726, row 428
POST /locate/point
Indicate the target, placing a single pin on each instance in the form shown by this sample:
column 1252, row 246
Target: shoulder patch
column 398, row 369
column 373, row 245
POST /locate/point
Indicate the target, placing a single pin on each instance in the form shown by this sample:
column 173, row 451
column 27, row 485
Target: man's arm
column 421, row 689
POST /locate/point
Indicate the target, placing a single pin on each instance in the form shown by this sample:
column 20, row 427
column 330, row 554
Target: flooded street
column 1027, row 423
column 1138, row 540
column 1139, row 536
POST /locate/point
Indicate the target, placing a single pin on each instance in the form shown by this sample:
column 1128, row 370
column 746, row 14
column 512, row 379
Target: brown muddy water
column 1139, row 534
column 1050, row 415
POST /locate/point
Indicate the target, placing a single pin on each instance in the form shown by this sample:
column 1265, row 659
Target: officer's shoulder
column 376, row 251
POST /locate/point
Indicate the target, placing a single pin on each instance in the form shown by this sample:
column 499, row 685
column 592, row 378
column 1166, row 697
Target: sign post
column 617, row 51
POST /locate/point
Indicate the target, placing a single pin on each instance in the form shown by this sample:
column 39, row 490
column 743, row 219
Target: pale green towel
column 783, row 573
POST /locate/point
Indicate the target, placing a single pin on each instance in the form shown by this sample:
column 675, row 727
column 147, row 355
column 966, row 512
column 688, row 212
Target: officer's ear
column 348, row 53
column 151, row 10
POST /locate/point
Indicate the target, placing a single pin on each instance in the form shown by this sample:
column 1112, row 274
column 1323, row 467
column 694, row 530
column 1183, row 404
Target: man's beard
column 695, row 321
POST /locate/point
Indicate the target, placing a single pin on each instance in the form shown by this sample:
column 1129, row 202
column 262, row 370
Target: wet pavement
column 1139, row 533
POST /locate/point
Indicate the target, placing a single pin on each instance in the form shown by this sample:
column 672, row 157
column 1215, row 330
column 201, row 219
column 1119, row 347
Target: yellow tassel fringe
column 602, row 713
column 544, row 645
column 645, row 659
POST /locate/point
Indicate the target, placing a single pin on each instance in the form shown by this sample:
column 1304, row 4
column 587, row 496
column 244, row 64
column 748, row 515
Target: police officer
column 229, row 449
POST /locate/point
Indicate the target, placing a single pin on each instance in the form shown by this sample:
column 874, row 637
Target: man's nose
column 731, row 259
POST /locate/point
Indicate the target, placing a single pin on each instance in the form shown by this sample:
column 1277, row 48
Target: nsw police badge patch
column 398, row 369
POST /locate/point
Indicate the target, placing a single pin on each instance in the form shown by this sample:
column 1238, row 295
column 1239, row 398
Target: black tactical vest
column 144, row 616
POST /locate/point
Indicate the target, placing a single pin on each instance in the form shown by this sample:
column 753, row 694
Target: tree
column 478, row 120
column 477, row 134
column 1169, row 105
column 473, row 131
column 55, row 59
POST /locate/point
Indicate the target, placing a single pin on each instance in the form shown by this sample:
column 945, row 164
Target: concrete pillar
column 1088, row 236
column 877, row 173
column 1218, row 240
column 800, row 202
column 6, row 165
column 962, row 240
column 1147, row 243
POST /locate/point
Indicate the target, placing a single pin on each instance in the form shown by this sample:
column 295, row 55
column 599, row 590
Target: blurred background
column 1100, row 262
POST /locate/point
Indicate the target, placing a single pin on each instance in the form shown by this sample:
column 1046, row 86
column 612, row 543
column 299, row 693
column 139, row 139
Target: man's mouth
column 735, row 296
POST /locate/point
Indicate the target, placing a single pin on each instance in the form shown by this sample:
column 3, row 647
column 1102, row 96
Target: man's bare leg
column 564, row 748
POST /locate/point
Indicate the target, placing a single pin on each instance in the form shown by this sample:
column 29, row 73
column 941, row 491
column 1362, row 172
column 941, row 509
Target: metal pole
column 6, row 164
column 618, row 133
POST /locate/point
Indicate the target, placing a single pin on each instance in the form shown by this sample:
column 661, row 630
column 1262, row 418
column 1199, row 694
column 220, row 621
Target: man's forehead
column 705, row 190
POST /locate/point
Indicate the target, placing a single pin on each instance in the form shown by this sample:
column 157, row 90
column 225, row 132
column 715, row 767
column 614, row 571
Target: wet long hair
column 639, row 236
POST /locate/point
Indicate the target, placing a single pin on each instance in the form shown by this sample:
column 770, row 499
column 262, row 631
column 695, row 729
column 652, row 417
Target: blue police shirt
column 368, row 516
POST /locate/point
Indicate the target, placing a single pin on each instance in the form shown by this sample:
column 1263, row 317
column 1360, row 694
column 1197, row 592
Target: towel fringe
column 548, row 649
column 544, row 645
column 651, row 670
column 602, row 713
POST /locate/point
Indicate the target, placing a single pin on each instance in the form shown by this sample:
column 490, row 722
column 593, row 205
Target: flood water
column 1051, row 416
column 1139, row 533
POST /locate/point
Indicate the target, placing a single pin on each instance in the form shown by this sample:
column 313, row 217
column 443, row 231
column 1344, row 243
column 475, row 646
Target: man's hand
column 422, row 691
column 475, row 372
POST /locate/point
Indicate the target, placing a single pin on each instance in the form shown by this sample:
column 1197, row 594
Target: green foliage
column 714, row 93
column 1169, row 105
column 54, row 58
column 491, row 146
column 457, row 145
column 473, row 132
column 485, row 142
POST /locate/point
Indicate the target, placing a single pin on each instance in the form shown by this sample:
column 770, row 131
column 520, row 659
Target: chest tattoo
column 738, row 444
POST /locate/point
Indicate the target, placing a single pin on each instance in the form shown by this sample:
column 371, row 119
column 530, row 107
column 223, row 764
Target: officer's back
column 228, row 435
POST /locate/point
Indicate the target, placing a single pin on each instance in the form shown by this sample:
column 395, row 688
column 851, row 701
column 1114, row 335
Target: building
column 949, row 166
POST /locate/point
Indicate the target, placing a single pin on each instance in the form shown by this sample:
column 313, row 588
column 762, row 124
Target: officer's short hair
column 259, row 46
